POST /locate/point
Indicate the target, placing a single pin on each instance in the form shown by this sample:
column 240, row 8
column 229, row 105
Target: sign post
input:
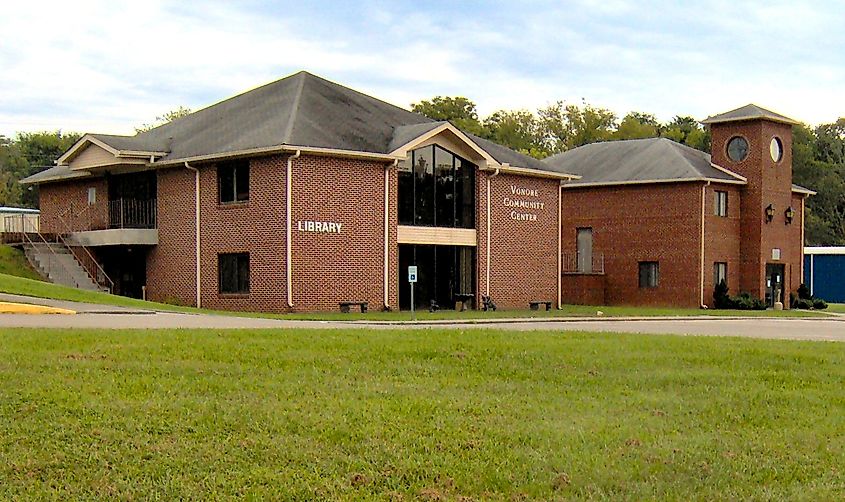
column 412, row 279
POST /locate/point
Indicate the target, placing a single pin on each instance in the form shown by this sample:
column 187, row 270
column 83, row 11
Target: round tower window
column 776, row 149
column 737, row 149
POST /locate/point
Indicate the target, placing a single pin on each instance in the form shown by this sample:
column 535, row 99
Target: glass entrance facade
column 445, row 273
column 437, row 190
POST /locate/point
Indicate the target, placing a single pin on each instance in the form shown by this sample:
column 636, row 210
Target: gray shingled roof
column 748, row 112
column 638, row 160
column 299, row 110
column 55, row 173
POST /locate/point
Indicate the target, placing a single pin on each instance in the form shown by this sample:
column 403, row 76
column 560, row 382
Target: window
column 649, row 274
column 737, row 149
column 437, row 188
column 233, row 181
column 234, row 273
column 720, row 272
column 92, row 196
column 720, row 203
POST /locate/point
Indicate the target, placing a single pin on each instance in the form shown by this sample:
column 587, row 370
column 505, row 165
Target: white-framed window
column 92, row 196
column 720, row 203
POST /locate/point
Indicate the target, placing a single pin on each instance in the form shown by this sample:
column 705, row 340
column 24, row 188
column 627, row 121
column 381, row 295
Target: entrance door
column 444, row 275
column 774, row 283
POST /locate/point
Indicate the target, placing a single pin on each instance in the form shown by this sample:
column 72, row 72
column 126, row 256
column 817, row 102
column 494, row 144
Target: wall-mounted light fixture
column 770, row 213
column 790, row 215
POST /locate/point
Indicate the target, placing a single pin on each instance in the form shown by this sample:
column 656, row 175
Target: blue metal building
column 824, row 272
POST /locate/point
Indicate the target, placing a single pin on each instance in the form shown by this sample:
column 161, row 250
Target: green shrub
column 804, row 292
column 722, row 300
column 805, row 300
column 819, row 304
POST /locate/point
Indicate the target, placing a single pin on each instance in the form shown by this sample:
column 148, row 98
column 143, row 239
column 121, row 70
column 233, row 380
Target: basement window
column 233, row 181
column 233, row 273
column 649, row 274
column 720, row 203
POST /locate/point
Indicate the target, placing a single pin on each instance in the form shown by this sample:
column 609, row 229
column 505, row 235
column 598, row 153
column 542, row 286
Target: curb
column 26, row 308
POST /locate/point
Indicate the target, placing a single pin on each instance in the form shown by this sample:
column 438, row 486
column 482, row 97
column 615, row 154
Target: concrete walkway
column 91, row 316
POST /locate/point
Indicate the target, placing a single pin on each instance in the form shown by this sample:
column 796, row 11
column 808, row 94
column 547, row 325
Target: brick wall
column 171, row 265
column 722, row 239
column 634, row 223
column 70, row 199
column 523, row 254
column 333, row 267
column 583, row 289
column 327, row 267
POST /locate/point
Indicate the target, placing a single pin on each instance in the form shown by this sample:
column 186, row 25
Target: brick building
column 301, row 194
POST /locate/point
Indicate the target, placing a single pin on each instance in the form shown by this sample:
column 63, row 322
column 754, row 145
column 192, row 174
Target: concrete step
column 56, row 262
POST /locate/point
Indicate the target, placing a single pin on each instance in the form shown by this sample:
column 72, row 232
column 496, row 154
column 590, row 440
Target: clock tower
column 756, row 144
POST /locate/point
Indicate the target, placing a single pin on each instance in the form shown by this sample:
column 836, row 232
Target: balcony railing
column 132, row 213
column 577, row 263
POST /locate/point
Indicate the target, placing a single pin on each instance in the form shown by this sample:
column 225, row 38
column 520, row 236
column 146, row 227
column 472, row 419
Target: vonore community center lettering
column 326, row 227
column 523, row 203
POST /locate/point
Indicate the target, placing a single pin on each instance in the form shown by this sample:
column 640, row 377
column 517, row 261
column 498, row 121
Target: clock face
column 737, row 149
column 776, row 149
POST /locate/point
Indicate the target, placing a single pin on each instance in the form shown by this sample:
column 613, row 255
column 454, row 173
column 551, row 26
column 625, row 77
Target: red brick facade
column 523, row 250
column 68, row 201
column 637, row 223
column 769, row 182
column 171, row 265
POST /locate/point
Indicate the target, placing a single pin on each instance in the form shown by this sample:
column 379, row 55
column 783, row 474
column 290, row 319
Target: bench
column 344, row 306
column 464, row 299
column 535, row 305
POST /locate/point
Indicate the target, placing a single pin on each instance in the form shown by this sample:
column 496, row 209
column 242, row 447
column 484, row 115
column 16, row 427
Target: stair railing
column 99, row 275
column 53, row 256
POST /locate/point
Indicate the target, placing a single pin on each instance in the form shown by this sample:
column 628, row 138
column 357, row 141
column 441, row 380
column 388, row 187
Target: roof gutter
column 349, row 154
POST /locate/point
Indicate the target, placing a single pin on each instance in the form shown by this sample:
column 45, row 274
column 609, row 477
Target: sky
column 110, row 66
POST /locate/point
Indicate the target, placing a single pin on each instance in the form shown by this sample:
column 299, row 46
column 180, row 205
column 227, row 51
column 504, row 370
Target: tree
column 637, row 125
column 569, row 126
column 518, row 130
column 27, row 154
column 164, row 118
column 687, row 131
column 830, row 142
column 460, row 111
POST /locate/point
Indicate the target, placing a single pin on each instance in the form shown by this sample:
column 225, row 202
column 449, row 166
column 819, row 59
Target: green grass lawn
column 438, row 415
column 13, row 262
column 28, row 287
column 839, row 308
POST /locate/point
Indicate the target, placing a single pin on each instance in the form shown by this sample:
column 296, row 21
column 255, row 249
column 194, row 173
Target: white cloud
column 109, row 66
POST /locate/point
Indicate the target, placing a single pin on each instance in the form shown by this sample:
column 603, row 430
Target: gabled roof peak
column 749, row 112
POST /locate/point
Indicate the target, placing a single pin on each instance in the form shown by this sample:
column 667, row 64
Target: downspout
column 288, row 260
column 386, row 232
column 559, row 244
column 197, row 227
column 701, row 271
column 487, row 278
column 801, row 269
